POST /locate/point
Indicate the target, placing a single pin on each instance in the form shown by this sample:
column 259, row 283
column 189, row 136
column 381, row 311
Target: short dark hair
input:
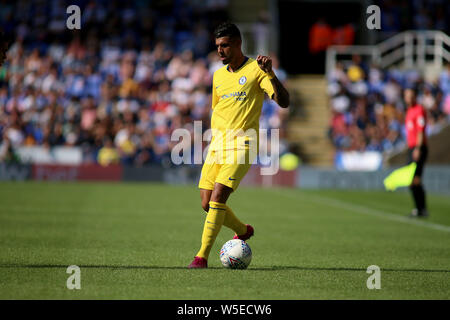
column 227, row 29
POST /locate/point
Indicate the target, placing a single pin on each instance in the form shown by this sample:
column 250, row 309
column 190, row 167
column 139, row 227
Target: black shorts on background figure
column 417, row 190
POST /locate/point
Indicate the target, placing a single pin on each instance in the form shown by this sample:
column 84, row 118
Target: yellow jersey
column 237, row 99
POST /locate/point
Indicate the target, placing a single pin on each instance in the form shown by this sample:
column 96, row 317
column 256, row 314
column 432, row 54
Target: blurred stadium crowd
column 368, row 110
column 366, row 102
column 401, row 15
column 117, row 88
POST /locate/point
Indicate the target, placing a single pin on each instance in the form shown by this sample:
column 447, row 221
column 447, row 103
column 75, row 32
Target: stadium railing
column 403, row 47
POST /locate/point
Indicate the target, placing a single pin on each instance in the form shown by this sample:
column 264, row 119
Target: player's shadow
column 257, row 268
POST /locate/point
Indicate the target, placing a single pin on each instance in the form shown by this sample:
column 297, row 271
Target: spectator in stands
column 344, row 35
column 320, row 36
column 355, row 71
column 108, row 154
column 401, row 15
column 7, row 153
column 117, row 95
column 444, row 79
column 368, row 112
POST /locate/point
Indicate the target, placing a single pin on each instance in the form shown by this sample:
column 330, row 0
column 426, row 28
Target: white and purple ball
column 236, row 254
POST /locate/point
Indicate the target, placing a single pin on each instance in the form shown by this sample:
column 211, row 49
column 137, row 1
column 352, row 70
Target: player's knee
column 205, row 205
column 205, row 196
column 221, row 193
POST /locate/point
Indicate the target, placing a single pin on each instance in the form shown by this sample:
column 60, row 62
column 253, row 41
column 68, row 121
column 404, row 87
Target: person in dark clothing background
column 415, row 122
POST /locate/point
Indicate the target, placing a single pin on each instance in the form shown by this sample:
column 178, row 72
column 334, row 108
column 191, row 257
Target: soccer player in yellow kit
column 237, row 97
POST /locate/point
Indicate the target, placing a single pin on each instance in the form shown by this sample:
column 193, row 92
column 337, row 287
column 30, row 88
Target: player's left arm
column 280, row 94
column 420, row 122
column 417, row 150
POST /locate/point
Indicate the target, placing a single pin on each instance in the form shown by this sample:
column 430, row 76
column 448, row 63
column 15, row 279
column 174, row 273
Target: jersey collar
column 245, row 61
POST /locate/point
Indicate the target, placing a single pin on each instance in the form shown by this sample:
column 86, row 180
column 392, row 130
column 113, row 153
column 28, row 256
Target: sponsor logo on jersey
column 421, row 122
column 238, row 95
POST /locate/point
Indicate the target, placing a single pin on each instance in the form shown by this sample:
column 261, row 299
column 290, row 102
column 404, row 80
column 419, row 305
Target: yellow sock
column 213, row 222
column 232, row 222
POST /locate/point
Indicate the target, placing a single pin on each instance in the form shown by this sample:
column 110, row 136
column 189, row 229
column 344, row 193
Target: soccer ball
column 236, row 254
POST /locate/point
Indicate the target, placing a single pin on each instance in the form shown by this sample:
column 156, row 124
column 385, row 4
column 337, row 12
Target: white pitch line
column 323, row 200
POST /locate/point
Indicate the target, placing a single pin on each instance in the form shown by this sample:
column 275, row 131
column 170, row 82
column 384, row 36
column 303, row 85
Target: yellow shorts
column 228, row 168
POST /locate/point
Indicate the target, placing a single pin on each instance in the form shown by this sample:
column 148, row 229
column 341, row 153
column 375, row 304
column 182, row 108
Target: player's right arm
column 278, row 92
column 215, row 97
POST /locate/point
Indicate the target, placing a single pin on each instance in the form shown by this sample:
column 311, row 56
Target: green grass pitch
column 134, row 241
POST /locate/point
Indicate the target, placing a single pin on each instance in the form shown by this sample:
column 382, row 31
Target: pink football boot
column 247, row 235
column 198, row 263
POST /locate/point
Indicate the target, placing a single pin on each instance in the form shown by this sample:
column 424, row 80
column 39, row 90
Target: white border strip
column 323, row 200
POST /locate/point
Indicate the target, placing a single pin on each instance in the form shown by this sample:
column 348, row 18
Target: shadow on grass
column 266, row 268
